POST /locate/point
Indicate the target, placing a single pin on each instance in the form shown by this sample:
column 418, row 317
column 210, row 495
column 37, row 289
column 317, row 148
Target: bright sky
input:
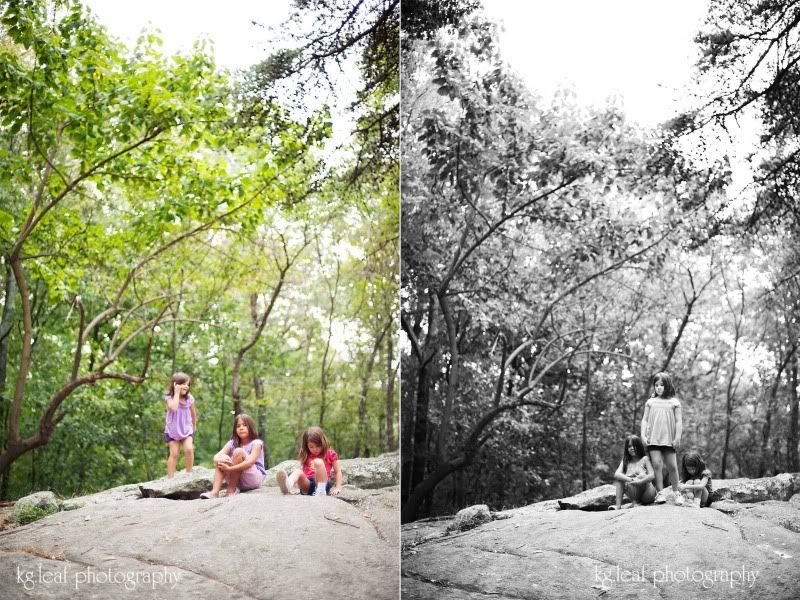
column 237, row 42
column 641, row 50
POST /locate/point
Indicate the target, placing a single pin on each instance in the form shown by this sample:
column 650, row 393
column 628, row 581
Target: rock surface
column 470, row 517
column 40, row 500
column 365, row 473
column 752, row 550
column 183, row 486
column 259, row 544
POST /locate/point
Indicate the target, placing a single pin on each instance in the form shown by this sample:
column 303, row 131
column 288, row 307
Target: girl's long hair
column 178, row 378
column 317, row 436
column 251, row 428
column 638, row 446
column 666, row 379
column 694, row 460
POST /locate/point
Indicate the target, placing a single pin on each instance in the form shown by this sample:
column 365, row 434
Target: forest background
column 554, row 257
column 160, row 214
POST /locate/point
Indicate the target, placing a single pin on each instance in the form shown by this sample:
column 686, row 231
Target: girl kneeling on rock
column 696, row 480
column 634, row 476
column 317, row 461
column 241, row 461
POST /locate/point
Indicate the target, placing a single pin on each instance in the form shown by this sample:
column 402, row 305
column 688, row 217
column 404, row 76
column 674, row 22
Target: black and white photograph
column 600, row 298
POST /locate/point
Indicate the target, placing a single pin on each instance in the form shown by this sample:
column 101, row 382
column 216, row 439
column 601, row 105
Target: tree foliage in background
column 154, row 219
column 554, row 258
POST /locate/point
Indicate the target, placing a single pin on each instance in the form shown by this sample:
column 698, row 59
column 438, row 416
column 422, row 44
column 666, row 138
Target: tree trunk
column 585, row 424
column 261, row 415
column 791, row 443
column 391, row 443
column 6, row 322
column 361, row 444
column 426, row 487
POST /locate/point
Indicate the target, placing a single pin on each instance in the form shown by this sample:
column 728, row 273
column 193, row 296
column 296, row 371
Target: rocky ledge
column 143, row 541
column 747, row 545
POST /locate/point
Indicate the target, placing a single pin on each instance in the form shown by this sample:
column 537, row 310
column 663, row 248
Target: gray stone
column 599, row 498
column 470, row 517
column 643, row 553
column 45, row 501
column 364, row 473
column 258, row 544
column 780, row 487
column 183, row 486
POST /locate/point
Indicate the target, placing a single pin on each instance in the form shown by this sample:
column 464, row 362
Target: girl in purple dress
column 180, row 422
column 240, row 463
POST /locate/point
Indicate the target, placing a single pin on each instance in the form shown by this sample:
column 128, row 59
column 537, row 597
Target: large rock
column 780, row 487
column 259, row 544
column 470, row 518
column 365, row 473
column 42, row 501
column 183, row 486
column 661, row 552
column 599, row 498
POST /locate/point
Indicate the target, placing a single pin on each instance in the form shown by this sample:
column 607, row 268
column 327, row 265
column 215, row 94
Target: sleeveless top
column 178, row 423
column 248, row 448
column 661, row 425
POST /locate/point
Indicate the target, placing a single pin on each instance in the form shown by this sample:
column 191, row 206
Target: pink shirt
column 330, row 458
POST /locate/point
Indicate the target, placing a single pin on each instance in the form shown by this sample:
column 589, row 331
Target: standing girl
column 317, row 460
column 662, row 426
column 634, row 475
column 696, row 484
column 180, row 422
column 241, row 461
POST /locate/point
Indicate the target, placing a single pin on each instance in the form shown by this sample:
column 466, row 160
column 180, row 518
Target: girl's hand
column 335, row 490
column 224, row 467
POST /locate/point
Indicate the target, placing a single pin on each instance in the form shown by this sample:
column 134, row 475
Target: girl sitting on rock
column 241, row 461
column 317, row 460
column 696, row 480
column 634, row 476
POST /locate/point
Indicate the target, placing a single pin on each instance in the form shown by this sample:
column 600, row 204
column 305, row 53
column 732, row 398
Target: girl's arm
column 194, row 418
column 649, row 473
column 678, row 425
column 620, row 476
column 223, row 455
column 338, row 471
column 172, row 402
column 696, row 486
column 645, row 416
column 250, row 460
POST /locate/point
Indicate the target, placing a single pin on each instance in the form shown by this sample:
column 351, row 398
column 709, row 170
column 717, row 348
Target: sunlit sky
column 639, row 50
column 237, row 42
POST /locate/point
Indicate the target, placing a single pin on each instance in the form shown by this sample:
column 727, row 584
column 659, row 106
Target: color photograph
column 199, row 256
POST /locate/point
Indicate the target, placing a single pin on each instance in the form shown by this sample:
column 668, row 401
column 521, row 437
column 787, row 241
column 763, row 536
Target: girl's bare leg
column 657, row 461
column 620, row 486
column 302, row 481
column 671, row 458
column 172, row 459
column 239, row 456
column 188, row 453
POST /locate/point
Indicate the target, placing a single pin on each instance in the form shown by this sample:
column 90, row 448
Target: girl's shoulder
column 332, row 455
column 706, row 473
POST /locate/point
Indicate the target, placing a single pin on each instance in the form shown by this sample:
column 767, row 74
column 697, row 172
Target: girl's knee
column 317, row 463
column 239, row 454
column 174, row 450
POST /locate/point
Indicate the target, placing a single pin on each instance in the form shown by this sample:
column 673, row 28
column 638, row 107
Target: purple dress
column 248, row 448
column 178, row 424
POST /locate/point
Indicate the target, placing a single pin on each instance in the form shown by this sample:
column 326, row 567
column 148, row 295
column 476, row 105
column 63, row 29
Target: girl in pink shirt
column 317, row 461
